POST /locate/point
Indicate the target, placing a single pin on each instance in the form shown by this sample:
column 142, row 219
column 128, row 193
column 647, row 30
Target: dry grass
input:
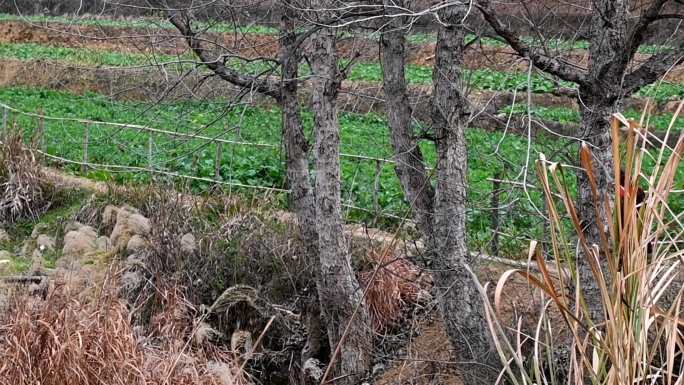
column 390, row 290
column 64, row 339
column 23, row 190
column 640, row 338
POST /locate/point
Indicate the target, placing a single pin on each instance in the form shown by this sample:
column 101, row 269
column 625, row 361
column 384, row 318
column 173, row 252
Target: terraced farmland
column 112, row 50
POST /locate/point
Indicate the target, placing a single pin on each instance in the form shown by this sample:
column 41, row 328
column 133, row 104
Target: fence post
column 217, row 162
column 496, row 191
column 149, row 153
column 86, row 139
column 5, row 117
column 376, row 189
column 41, row 135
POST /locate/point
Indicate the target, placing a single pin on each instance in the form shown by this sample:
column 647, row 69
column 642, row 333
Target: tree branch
column 647, row 18
column 653, row 69
column 553, row 66
column 261, row 85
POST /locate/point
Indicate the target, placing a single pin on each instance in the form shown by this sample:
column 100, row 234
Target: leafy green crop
column 484, row 79
column 361, row 134
column 140, row 22
column 567, row 115
column 416, row 38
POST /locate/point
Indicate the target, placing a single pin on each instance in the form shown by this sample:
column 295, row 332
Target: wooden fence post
column 496, row 191
column 5, row 117
column 86, row 139
column 376, row 189
column 42, row 143
column 150, row 159
column 217, row 162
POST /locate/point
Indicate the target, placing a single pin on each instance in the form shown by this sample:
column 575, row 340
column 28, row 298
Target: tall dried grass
column 640, row 339
column 393, row 286
column 65, row 339
column 23, row 190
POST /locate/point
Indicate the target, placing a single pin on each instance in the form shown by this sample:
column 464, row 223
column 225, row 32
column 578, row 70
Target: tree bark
column 410, row 166
column 301, row 196
column 338, row 289
column 458, row 297
column 609, row 54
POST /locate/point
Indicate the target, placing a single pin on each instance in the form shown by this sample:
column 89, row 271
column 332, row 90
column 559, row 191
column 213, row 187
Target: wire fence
column 498, row 214
column 68, row 142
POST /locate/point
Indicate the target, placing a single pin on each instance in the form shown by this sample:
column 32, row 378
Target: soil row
column 251, row 46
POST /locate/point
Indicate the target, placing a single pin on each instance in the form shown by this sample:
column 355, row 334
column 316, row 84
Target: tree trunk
column 600, row 98
column 338, row 289
column 410, row 166
column 301, row 192
column 459, row 299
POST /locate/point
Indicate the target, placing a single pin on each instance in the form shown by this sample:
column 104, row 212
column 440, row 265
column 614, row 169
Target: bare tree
column 318, row 210
column 617, row 29
column 441, row 212
column 410, row 165
column 297, row 147
column 345, row 315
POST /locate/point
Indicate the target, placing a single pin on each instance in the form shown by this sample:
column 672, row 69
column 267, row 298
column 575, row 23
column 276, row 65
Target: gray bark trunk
column 608, row 58
column 301, row 191
column 410, row 166
column 338, row 289
column 459, row 300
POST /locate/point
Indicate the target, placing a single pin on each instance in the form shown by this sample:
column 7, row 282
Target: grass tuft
column 23, row 190
column 71, row 339
column 638, row 335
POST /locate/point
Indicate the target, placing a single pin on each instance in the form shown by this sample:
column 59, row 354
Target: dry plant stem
column 635, row 339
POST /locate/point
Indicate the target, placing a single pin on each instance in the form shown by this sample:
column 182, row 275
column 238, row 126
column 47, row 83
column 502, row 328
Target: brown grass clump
column 23, row 191
column 391, row 289
column 637, row 337
column 68, row 340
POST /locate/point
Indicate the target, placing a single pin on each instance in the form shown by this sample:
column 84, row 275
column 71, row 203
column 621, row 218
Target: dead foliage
column 23, row 190
column 637, row 334
column 64, row 339
column 390, row 289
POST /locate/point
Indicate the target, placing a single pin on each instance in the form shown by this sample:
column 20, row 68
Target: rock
column 103, row 243
column 4, row 237
column 38, row 229
column 45, row 243
column 130, row 282
column 672, row 106
column 313, row 371
column 37, row 264
column 241, row 342
column 27, row 247
column 5, row 265
column 423, row 297
column 79, row 243
column 135, row 260
column 129, row 223
column 37, row 255
column 5, row 262
column 136, row 243
column 188, row 244
column 72, row 226
column 109, row 215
